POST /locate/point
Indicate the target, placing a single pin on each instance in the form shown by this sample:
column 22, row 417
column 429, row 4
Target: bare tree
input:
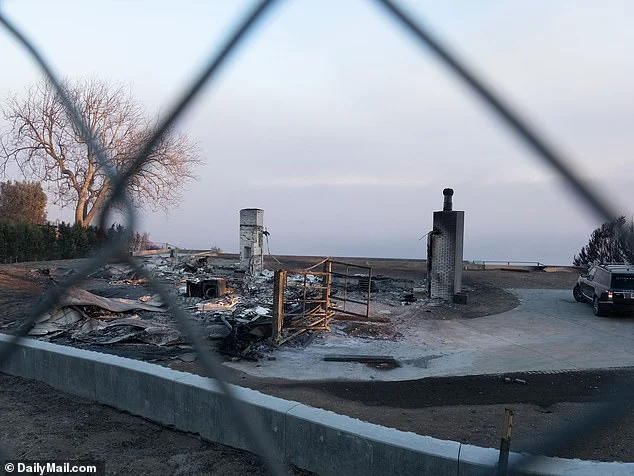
column 46, row 146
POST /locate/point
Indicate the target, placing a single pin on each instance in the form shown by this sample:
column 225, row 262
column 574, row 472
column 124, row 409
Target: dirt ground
column 46, row 424
column 471, row 409
column 465, row 409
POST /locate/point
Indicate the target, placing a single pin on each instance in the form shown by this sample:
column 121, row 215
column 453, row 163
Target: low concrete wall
column 310, row 438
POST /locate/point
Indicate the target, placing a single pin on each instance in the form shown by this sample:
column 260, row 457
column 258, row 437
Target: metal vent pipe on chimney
column 448, row 205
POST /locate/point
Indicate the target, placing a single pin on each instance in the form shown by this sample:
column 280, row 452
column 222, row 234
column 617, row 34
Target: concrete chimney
column 251, row 240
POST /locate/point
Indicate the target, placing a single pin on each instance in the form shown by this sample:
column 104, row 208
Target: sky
column 345, row 130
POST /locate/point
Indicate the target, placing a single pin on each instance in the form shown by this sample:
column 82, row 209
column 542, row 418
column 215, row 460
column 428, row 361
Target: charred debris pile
column 236, row 310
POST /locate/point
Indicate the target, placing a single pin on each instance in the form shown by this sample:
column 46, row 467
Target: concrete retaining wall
column 310, row 438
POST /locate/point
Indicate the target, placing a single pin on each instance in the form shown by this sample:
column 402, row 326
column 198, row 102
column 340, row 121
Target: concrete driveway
column 548, row 331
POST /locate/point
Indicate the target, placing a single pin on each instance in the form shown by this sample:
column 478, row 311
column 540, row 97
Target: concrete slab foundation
column 548, row 331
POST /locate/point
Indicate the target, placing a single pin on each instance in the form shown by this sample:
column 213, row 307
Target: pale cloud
column 342, row 181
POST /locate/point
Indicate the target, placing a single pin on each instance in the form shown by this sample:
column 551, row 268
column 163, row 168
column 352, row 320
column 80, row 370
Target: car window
column 591, row 274
column 623, row 281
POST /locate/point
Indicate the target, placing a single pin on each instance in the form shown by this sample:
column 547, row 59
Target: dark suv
column 609, row 287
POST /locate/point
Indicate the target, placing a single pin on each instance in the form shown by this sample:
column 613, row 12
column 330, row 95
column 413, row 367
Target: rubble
column 80, row 327
column 188, row 357
column 235, row 308
column 87, row 317
column 225, row 304
column 218, row 331
column 206, row 288
column 126, row 330
column 56, row 322
column 80, row 297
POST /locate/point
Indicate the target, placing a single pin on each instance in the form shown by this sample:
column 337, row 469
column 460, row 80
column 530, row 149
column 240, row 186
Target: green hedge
column 24, row 242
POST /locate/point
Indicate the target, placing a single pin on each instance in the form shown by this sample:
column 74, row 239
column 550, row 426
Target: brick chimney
column 444, row 251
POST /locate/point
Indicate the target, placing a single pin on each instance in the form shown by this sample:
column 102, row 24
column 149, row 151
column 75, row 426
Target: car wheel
column 576, row 292
column 599, row 310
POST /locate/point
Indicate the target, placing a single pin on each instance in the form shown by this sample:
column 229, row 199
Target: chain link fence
column 119, row 199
